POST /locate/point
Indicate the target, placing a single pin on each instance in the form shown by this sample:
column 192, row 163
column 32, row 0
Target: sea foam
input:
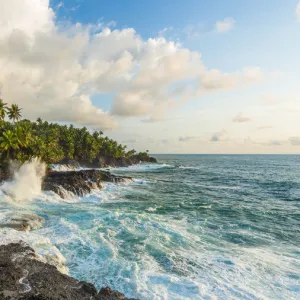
column 27, row 180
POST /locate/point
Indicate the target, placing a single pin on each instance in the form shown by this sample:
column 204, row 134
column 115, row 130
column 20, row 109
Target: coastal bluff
column 23, row 276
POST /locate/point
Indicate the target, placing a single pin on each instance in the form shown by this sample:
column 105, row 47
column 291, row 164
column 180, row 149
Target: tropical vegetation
column 51, row 142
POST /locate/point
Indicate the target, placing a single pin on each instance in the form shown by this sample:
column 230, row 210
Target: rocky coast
column 24, row 274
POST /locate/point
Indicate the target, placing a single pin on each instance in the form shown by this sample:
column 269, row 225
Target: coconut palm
column 24, row 134
column 14, row 112
column 3, row 109
column 53, row 142
column 8, row 142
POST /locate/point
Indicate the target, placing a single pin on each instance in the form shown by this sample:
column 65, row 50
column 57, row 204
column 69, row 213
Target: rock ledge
column 24, row 277
column 79, row 182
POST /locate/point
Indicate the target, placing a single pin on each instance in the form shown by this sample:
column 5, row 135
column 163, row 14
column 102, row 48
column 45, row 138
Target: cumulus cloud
column 240, row 118
column 53, row 71
column 295, row 141
column 219, row 136
column 298, row 11
column 225, row 25
column 217, row 80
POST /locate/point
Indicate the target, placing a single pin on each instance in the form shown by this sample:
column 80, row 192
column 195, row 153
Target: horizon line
column 224, row 153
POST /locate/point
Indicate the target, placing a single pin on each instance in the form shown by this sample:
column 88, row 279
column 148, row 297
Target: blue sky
column 260, row 25
column 171, row 76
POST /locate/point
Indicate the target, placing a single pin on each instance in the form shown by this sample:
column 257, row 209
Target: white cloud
column 226, row 25
column 216, row 80
column 298, row 11
column 295, row 141
column 165, row 31
column 240, row 118
column 53, row 71
column 274, row 143
column 186, row 138
column 59, row 5
column 219, row 136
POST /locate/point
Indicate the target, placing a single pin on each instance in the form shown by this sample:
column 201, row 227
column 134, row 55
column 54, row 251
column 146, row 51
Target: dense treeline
column 22, row 139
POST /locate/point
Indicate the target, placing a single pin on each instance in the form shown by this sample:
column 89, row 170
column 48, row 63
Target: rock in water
column 24, row 277
column 22, row 222
column 80, row 182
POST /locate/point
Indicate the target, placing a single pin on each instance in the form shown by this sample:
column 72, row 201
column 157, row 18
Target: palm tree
column 8, row 142
column 14, row 112
column 39, row 121
column 3, row 109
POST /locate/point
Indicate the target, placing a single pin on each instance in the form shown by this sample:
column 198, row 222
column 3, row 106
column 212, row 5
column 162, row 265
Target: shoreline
column 13, row 283
column 24, row 276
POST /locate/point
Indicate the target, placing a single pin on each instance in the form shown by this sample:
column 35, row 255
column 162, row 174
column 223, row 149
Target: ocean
column 189, row 227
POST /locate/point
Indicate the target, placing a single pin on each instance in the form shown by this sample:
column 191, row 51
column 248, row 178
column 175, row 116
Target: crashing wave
column 27, row 180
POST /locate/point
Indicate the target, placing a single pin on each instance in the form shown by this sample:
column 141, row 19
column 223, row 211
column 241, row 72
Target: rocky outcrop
column 22, row 222
column 80, row 182
column 70, row 164
column 24, row 277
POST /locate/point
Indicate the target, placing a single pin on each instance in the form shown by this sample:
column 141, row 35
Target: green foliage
column 53, row 142
column 3, row 109
column 14, row 113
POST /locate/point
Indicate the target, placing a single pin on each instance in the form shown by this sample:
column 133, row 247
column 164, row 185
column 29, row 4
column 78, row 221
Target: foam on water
column 60, row 168
column 63, row 167
column 213, row 232
column 46, row 251
column 143, row 167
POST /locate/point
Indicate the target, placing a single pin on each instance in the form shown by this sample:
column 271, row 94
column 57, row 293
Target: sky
column 170, row 76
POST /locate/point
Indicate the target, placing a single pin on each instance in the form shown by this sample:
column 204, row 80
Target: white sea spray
column 27, row 180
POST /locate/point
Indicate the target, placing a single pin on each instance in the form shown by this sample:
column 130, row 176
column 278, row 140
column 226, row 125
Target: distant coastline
column 22, row 140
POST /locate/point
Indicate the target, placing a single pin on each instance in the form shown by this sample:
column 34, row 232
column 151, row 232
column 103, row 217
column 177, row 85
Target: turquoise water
column 190, row 227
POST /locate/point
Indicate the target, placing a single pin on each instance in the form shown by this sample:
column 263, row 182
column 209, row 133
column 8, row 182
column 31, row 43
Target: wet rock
column 24, row 277
column 104, row 162
column 108, row 293
column 80, row 182
column 22, row 222
column 70, row 164
column 4, row 175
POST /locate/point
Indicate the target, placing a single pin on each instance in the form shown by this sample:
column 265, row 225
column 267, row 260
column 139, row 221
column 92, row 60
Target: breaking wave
column 216, row 229
column 27, row 180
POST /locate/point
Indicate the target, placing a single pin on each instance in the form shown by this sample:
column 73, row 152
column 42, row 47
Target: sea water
column 189, row 227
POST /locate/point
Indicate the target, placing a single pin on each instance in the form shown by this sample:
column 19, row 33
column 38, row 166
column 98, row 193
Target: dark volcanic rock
column 4, row 175
column 80, row 182
column 104, row 162
column 24, row 277
column 70, row 163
